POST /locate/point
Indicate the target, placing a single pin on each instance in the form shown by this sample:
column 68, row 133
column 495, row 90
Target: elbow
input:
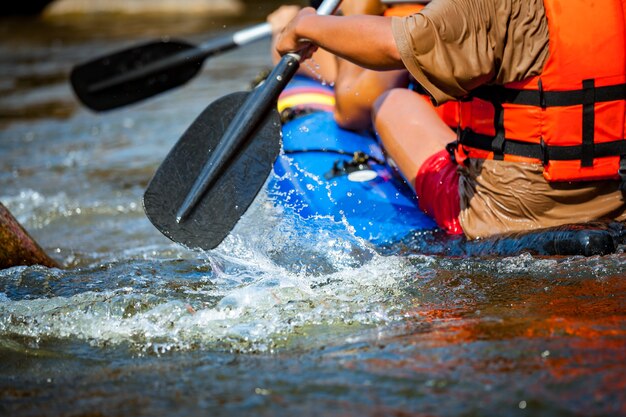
column 393, row 59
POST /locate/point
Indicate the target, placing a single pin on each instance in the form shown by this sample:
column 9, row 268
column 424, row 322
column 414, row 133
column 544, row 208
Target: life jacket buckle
column 622, row 174
column 545, row 157
column 451, row 149
column 461, row 135
column 497, row 146
column 542, row 96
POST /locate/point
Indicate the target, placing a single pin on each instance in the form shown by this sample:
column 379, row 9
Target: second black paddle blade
column 227, row 199
column 134, row 74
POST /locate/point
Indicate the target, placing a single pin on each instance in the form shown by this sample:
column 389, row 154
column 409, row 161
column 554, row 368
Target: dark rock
column 17, row 247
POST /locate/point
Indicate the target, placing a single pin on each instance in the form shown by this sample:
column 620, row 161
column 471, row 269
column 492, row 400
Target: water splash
column 265, row 282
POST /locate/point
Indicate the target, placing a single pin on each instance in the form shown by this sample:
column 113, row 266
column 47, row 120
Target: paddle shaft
column 243, row 125
column 203, row 51
column 245, row 122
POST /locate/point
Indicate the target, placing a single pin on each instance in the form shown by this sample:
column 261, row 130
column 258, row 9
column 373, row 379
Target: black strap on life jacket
column 541, row 98
column 587, row 96
column 541, row 151
column 622, row 175
column 589, row 120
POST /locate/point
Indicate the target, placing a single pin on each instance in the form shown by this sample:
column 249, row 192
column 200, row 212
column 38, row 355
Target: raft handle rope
column 360, row 161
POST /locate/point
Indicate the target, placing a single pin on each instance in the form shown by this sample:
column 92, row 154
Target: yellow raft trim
column 306, row 99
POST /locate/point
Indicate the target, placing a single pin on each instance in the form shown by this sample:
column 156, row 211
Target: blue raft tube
column 328, row 171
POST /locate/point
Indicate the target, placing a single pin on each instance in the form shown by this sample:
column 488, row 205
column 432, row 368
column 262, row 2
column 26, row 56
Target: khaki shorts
column 499, row 197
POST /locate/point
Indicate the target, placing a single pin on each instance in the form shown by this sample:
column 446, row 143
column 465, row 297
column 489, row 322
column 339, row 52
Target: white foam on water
column 249, row 316
column 270, row 285
column 263, row 284
column 37, row 210
column 276, row 278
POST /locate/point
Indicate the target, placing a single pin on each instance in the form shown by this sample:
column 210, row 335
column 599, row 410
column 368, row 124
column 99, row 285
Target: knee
column 392, row 107
column 390, row 98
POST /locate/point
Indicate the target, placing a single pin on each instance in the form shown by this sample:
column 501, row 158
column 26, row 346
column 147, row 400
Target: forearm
column 364, row 40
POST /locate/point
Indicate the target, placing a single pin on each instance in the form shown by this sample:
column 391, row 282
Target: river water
column 267, row 324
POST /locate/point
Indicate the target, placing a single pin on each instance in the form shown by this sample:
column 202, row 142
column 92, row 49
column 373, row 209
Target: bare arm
column 364, row 40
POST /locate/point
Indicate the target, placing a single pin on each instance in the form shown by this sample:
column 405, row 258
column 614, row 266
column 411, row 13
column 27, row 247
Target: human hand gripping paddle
column 143, row 71
column 215, row 170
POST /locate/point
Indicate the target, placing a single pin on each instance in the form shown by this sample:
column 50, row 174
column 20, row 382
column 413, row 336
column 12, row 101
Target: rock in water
column 16, row 245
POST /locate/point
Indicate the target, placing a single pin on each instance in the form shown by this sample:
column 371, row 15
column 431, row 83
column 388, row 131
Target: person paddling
column 355, row 88
column 541, row 130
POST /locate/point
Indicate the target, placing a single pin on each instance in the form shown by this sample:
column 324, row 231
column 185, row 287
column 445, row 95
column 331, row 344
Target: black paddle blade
column 227, row 199
column 134, row 74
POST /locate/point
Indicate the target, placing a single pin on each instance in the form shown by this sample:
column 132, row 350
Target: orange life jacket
column 572, row 117
column 402, row 10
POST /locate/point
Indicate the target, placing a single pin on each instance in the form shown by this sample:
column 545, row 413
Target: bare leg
column 410, row 129
column 357, row 89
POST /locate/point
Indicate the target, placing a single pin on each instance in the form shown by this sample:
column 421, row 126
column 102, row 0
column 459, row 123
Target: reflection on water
column 286, row 317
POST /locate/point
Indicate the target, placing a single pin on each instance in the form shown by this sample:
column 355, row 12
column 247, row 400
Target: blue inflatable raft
column 328, row 171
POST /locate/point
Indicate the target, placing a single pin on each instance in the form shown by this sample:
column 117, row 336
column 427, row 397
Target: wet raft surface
column 286, row 317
